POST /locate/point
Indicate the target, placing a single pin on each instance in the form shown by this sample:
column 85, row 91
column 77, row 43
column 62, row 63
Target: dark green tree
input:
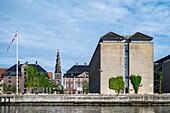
column 160, row 82
column 135, row 80
column 5, row 87
column 85, row 87
column 58, row 88
column 13, row 88
column 31, row 79
column 117, row 84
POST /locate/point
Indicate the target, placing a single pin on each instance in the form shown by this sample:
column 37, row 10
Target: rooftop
column 163, row 59
column 76, row 70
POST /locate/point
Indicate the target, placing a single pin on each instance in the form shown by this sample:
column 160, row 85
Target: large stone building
column 58, row 69
column 9, row 77
column 162, row 65
column 117, row 55
column 2, row 71
column 74, row 78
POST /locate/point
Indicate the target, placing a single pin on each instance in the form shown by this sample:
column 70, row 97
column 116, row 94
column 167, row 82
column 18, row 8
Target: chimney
column 36, row 62
column 18, row 62
column 84, row 64
column 76, row 64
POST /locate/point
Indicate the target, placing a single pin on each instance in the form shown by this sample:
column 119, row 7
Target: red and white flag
column 11, row 42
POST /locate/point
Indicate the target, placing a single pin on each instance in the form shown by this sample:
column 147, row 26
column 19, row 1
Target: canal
column 84, row 109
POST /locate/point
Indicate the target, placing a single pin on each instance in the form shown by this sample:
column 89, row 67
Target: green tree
column 117, row 84
column 160, row 82
column 5, row 87
column 31, row 79
column 58, row 88
column 135, row 80
column 13, row 88
column 85, row 87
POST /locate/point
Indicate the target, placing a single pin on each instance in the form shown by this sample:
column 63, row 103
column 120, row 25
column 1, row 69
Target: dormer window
column 71, row 74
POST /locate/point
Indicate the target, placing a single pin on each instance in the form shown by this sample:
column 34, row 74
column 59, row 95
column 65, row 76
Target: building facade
column 58, row 77
column 162, row 65
column 117, row 55
column 9, row 77
column 74, row 78
column 2, row 71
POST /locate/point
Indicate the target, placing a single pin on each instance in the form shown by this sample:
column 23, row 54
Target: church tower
column 58, row 69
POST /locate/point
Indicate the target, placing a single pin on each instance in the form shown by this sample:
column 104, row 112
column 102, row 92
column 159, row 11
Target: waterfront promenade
column 90, row 99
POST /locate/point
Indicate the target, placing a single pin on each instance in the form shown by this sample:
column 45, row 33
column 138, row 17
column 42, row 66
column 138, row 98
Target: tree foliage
column 5, row 87
column 85, row 87
column 8, row 88
column 31, row 79
column 135, row 80
column 34, row 80
column 160, row 82
column 117, row 84
column 58, row 88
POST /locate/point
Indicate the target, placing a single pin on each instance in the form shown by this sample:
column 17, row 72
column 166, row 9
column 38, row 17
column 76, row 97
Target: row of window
column 71, row 85
column 76, row 80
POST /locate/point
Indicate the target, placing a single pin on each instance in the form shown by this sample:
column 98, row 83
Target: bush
column 117, row 84
column 135, row 80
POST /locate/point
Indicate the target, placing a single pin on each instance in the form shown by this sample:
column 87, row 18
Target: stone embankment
column 90, row 99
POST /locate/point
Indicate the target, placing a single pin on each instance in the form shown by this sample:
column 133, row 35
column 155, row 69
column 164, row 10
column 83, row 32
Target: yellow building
column 117, row 55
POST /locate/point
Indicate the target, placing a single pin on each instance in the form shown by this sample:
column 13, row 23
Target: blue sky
column 75, row 26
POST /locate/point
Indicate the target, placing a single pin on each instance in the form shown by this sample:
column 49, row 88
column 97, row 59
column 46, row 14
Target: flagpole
column 17, row 65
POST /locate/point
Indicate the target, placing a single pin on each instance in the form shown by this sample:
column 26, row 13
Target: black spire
column 58, row 66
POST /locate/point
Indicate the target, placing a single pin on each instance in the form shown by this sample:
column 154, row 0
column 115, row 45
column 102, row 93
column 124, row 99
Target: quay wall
column 96, row 99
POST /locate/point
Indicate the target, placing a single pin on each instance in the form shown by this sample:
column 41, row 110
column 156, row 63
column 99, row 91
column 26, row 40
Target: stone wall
column 141, row 63
column 90, row 99
column 112, row 64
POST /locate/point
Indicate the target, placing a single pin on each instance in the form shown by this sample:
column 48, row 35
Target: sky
column 75, row 27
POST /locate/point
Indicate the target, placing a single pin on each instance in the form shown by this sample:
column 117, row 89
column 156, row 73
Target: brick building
column 117, row 55
column 74, row 78
column 9, row 77
column 58, row 69
column 2, row 71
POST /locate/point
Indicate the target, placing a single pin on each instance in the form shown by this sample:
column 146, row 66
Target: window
column 9, row 78
column 71, row 74
column 81, row 85
column 9, row 81
column 85, row 75
column 77, row 85
column 67, row 85
column 77, row 79
column 71, row 80
column 24, row 73
column 81, row 80
column 67, row 79
column 71, row 86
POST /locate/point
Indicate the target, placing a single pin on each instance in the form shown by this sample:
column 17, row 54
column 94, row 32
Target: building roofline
column 145, row 37
column 163, row 59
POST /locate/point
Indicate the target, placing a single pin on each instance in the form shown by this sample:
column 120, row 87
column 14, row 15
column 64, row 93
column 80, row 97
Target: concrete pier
column 90, row 99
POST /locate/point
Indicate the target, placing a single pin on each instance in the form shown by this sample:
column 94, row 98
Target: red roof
column 50, row 74
column 2, row 70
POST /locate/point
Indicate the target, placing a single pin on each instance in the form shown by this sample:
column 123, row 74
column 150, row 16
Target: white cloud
column 75, row 27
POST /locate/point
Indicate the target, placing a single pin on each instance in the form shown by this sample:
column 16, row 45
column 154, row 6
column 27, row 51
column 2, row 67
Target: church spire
column 58, row 66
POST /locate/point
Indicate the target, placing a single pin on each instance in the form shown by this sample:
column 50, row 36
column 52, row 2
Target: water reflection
column 84, row 109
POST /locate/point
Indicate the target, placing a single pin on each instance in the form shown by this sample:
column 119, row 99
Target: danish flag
column 11, row 42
